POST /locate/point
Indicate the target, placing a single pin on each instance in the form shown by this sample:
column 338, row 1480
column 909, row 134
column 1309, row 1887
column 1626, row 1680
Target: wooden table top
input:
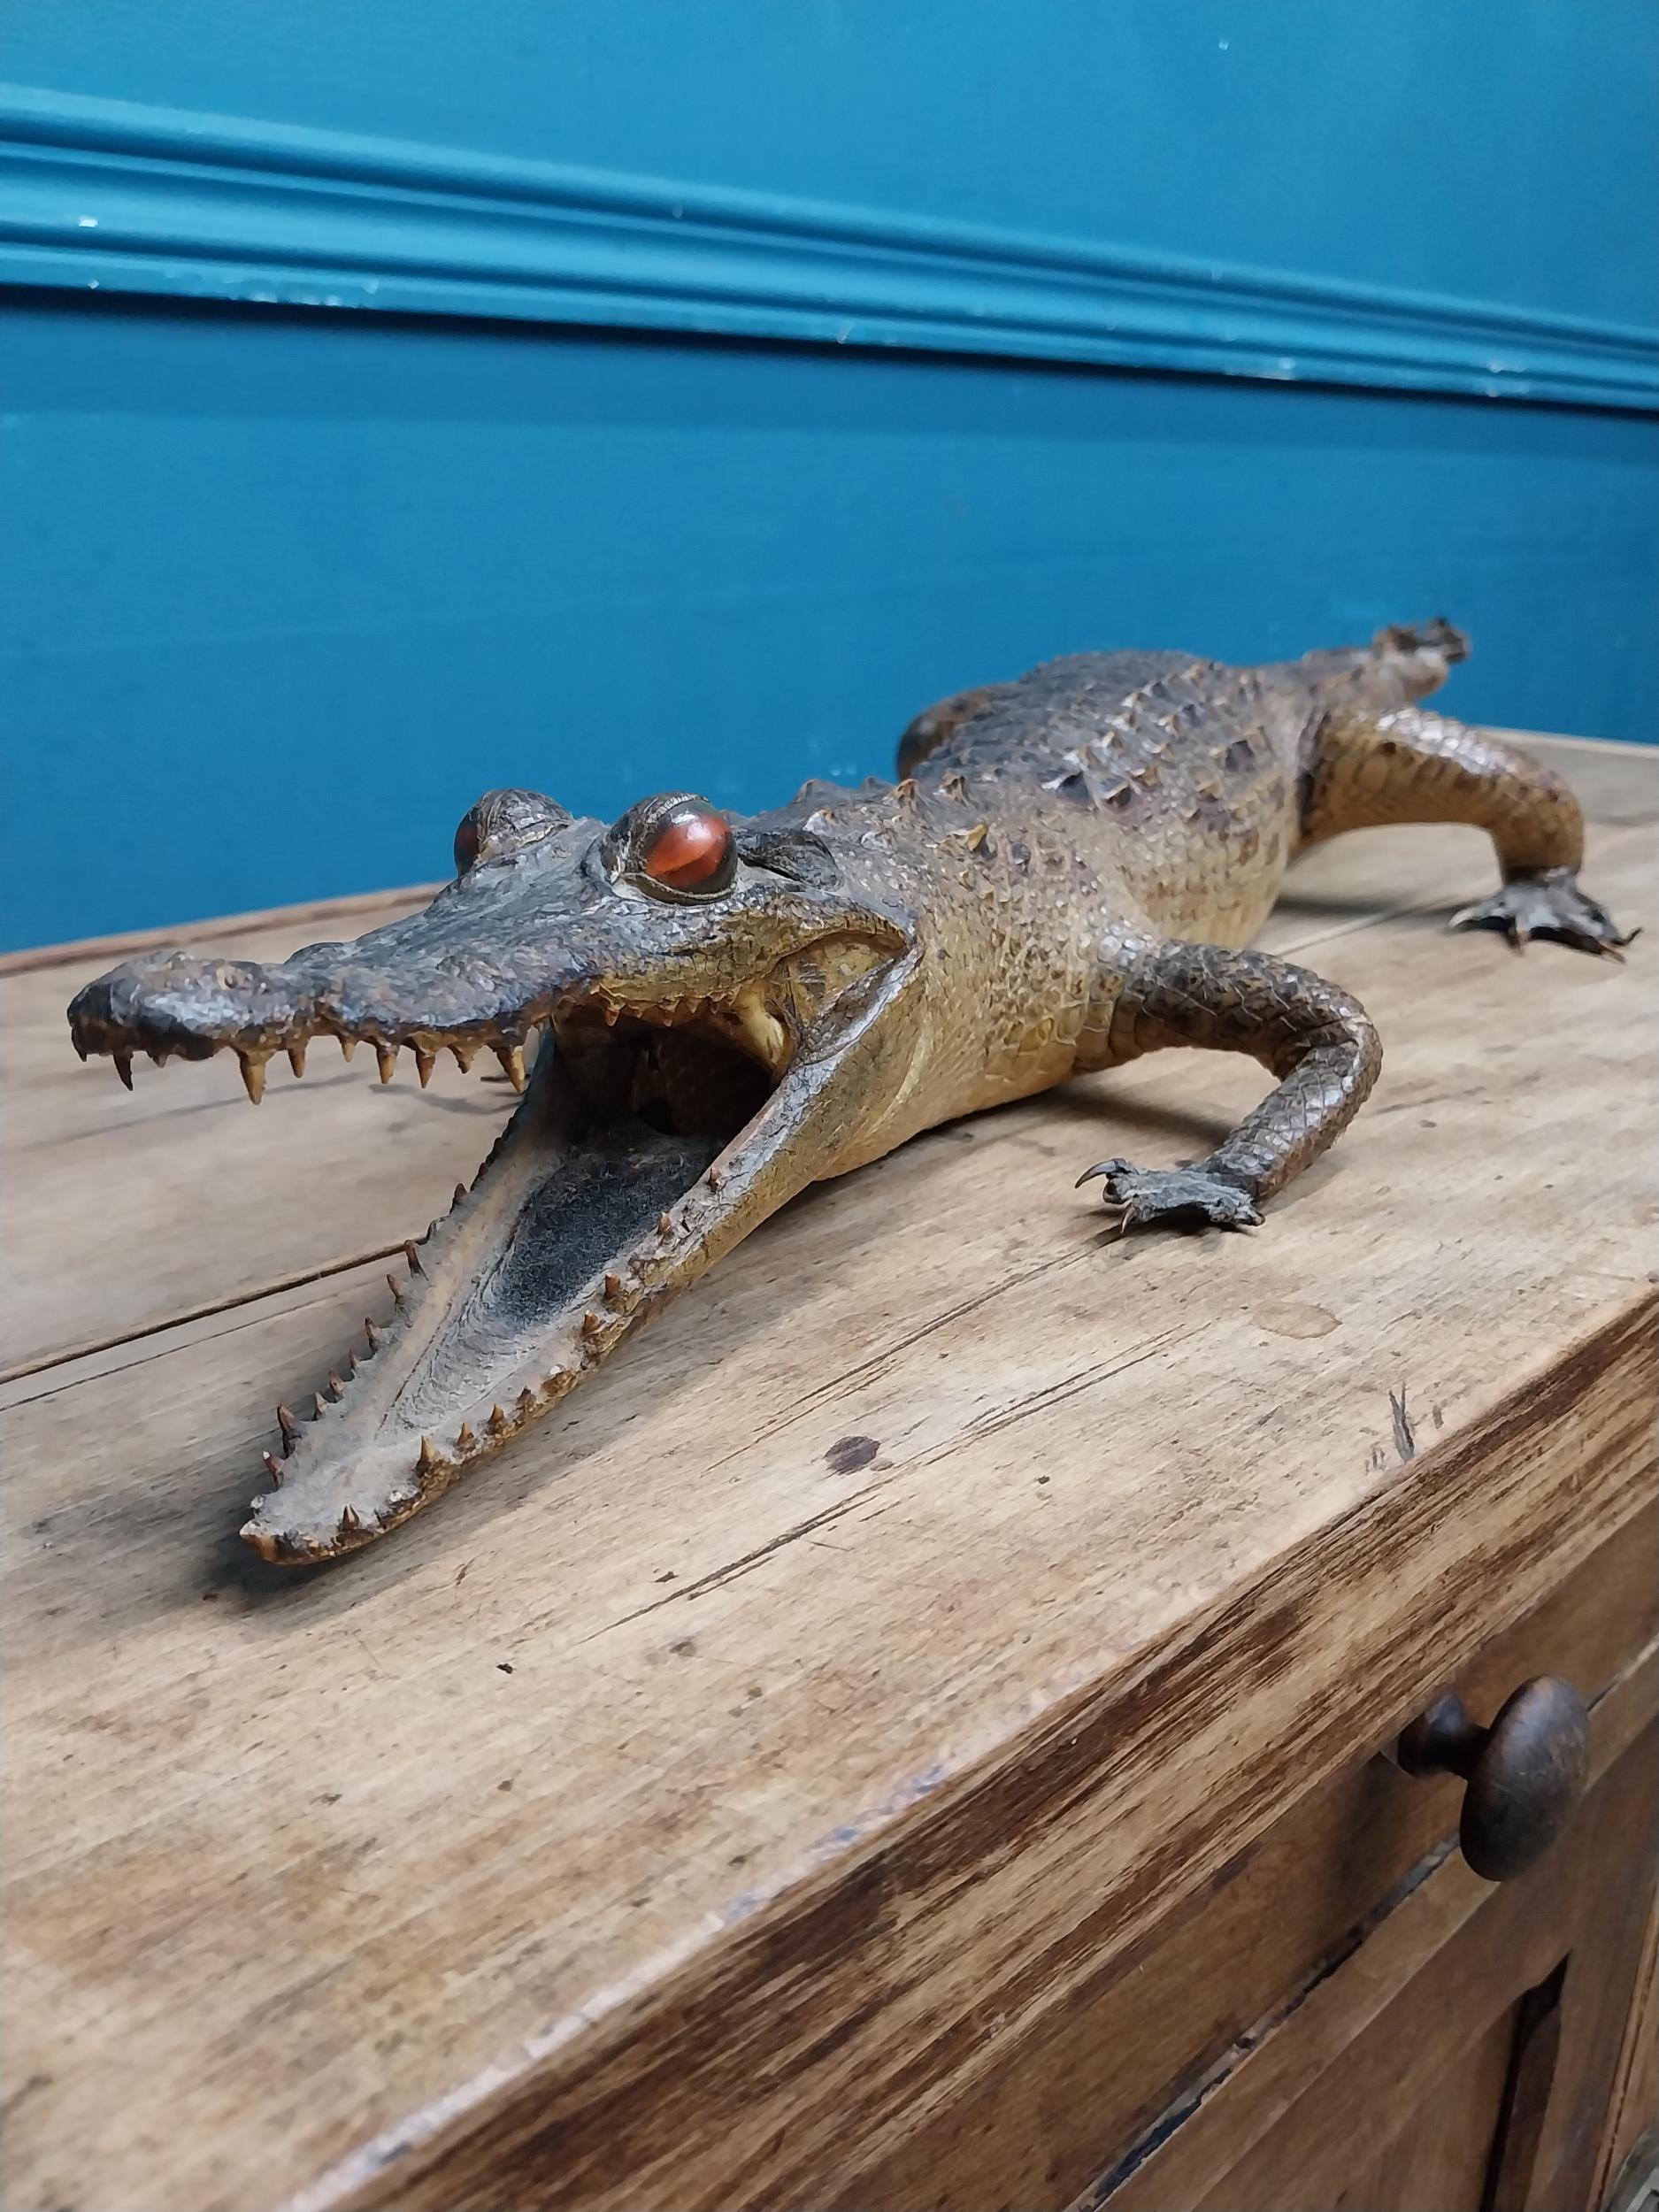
column 935, row 1595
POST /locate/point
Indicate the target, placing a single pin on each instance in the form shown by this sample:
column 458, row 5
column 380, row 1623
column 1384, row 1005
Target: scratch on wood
column 1405, row 1435
column 744, row 1565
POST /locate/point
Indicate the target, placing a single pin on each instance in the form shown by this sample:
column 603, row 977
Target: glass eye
column 467, row 845
column 691, row 850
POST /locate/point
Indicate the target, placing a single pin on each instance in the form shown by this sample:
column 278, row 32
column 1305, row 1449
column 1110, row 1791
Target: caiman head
column 714, row 1019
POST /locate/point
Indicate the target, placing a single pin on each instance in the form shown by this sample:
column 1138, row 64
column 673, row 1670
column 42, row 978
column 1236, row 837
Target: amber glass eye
column 467, row 845
column 691, row 852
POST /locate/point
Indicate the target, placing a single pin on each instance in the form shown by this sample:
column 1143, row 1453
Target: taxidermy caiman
column 729, row 1009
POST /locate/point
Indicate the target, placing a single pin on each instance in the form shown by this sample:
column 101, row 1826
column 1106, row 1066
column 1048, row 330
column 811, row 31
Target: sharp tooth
column 289, row 1428
column 462, row 1055
column 460, row 1192
column 159, row 1054
column 253, row 1074
column 387, row 1056
column 464, row 1439
column 428, row 1461
column 512, row 1058
column 336, row 1386
column 526, row 1404
column 317, row 1408
column 715, row 1177
column 665, row 1225
column 297, row 1058
column 414, row 1258
column 353, row 1362
column 81, row 1050
column 348, row 1046
column 124, row 1067
column 613, row 1287
column 592, row 1324
column 376, row 1337
column 393, row 1284
column 497, row 1421
column 348, row 1521
column 272, row 1467
column 425, row 1062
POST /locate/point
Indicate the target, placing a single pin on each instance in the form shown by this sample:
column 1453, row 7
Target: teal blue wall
column 398, row 402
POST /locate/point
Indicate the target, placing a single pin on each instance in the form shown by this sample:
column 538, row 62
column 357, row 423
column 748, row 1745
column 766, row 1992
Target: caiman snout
column 691, row 982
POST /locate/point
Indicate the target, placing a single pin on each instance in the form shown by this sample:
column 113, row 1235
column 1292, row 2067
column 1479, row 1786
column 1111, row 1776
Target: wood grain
column 1634, row 2112
column 1515, row 1943
column 671, row 1811
column 1185, row 2031
column 1290, row 2072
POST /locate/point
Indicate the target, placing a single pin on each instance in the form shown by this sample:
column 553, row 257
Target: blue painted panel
column 286, row 592
column 1499, row 150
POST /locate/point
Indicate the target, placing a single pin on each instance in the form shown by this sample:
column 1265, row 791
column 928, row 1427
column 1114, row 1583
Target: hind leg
column 1414, row 766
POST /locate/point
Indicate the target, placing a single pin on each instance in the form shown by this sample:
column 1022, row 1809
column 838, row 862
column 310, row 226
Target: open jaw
column 652, row 1135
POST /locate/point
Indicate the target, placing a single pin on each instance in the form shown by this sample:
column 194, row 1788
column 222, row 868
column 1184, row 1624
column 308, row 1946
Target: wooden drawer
column 1206, row 2060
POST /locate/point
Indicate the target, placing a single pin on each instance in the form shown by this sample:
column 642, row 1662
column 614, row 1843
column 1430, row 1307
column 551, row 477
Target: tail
column 1397, row 668
column 1436, row 637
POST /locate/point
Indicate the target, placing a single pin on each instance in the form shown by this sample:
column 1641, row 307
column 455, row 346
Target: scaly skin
column 1064, row 879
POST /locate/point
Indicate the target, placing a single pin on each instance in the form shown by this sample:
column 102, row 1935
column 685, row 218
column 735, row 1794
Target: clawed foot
column 1179, row 1197
column 1547, row 904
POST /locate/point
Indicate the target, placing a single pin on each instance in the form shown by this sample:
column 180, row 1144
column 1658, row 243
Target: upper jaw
column 494, row 956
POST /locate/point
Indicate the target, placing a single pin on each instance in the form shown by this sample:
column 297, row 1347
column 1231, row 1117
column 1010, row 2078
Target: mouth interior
column 650, row 1106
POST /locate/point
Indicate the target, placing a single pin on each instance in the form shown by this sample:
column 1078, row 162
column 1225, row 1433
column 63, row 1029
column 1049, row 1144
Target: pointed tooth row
column 252, row 1059
column 293, row 1428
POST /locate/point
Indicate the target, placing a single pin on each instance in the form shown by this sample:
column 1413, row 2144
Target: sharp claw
column 296, row 1058
column 425, row 1061
column 385, row 1055
column 1100, row 1167
column 252, row 1075
column 512, row 1058
column 124, row 1067
column 348, row 1046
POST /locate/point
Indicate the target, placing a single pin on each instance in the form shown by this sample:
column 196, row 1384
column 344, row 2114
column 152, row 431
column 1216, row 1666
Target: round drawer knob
column 1525, row 1773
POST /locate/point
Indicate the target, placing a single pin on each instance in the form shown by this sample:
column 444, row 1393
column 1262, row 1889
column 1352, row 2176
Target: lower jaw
column 569, row 1239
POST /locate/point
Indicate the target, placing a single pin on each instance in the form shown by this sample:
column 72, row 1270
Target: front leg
column 1317, row 1039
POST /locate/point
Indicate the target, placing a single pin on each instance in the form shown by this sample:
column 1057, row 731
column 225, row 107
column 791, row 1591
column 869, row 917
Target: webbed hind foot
column 1547, row 903
column 1174, row 1197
